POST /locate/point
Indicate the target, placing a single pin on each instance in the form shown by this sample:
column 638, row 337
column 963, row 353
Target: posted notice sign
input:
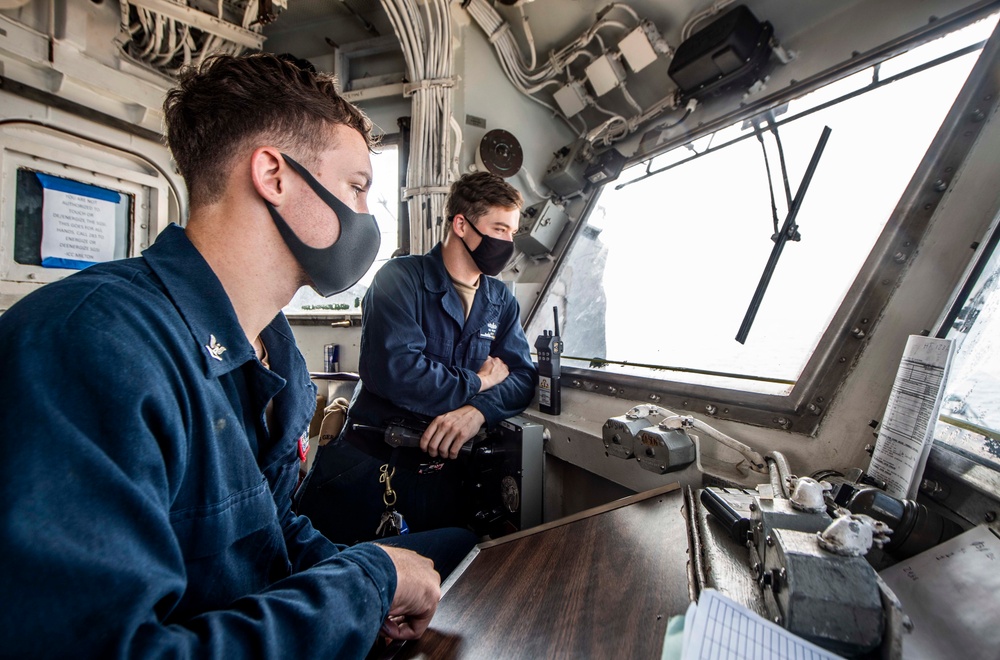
column 78, row 223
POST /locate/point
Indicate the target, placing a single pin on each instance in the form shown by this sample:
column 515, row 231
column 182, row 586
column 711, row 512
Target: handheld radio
column 549, row 347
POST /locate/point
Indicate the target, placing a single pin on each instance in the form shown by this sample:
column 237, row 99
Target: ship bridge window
column 969, row 420
column 657, row 281
column 383, row 203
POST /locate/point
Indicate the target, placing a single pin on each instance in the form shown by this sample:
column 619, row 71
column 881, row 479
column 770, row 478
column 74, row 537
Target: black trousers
column 343, row 498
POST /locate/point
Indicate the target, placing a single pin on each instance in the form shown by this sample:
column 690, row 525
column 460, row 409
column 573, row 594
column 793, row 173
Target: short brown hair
column 474, row 195
column 233, row 103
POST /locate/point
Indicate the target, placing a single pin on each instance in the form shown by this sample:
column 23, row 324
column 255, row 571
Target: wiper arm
column 789, row 231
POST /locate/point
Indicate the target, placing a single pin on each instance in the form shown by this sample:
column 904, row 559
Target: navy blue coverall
column 419, row 359
column 145, row 506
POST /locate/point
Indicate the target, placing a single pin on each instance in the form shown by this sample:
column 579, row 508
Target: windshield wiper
column 789, row 231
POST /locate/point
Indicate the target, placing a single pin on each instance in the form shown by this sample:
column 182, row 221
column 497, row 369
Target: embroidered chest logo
column 489, row 332
column 214, row 348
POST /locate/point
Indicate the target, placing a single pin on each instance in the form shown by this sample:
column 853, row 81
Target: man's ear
column 458, row 225
column 267, row 170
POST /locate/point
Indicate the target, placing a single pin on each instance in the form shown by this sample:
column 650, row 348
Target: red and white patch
column 303, row 446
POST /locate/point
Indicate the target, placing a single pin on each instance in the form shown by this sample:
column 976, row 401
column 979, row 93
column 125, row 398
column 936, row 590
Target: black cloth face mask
column 337, row 267
column 492, row 254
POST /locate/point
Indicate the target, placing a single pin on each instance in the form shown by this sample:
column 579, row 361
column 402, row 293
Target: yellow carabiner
column 385, row 476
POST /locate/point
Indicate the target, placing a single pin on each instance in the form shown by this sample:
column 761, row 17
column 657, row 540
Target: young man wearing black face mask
column 155, row 409
column 441, row 346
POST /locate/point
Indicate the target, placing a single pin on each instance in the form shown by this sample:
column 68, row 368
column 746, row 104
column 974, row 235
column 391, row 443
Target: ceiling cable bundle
column 167, row 36
column 425, row 37
column 531, row 77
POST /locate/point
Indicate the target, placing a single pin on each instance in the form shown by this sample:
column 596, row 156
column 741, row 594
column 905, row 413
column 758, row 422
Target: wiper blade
column 789, row 231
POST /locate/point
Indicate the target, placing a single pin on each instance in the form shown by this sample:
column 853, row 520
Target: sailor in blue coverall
column 155, row 409
column 441, row 344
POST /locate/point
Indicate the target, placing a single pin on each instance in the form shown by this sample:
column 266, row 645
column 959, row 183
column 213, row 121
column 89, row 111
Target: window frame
column 28, row 146
column 804, row 407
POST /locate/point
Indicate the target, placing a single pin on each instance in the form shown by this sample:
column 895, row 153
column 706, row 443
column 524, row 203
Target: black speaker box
column 732, row 50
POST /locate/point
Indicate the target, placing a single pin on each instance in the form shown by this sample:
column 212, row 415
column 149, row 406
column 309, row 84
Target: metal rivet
column 940, row 185
column 991, row 516
column 654, row 397
column 710, row 409
column 858, row 333
column 899, row 257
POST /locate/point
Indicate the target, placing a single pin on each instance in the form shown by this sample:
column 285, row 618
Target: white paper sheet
column 904, row 439
column 77, row 228
column 721, row 629
column 952, row 594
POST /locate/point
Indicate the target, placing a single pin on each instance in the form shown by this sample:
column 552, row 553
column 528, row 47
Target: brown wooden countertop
column 599, row 584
